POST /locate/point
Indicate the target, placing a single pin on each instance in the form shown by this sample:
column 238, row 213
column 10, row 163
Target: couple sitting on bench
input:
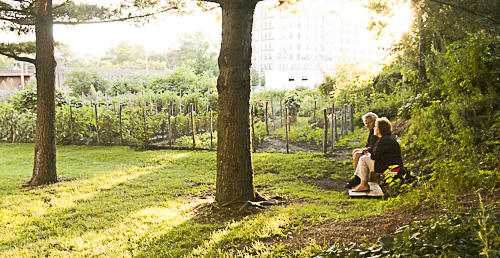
column 381, row 152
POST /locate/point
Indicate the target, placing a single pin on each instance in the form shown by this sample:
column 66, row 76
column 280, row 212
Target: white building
column 293, row 50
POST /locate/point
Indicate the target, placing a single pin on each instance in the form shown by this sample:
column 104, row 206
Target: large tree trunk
column 234, row 156
column 44, row 169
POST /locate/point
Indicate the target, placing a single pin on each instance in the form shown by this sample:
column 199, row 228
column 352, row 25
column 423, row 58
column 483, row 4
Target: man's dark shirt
column 372, row 139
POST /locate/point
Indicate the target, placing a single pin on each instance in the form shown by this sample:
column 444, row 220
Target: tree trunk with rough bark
column 234, row 153
column 44, row 169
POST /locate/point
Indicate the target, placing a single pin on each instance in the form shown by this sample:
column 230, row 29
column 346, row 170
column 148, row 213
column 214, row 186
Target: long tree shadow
column 157, row 209
column 115, row 216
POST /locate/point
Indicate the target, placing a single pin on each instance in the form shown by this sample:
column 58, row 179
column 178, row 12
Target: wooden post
column 314, row 113
column 325, row 137
column 281, row 113
column 106, row 99
column 170, row 110
column 211, row 130
column 254, row 144
column 342, row 122
column 180, row 101
column 272, row 115
column 71, row 123
column 352, row 117
column 193, row 125
column 286, row 129
column 334, row 124
column 96, row 123
column 145, row 123
column 265, row 117
column 336, row 132
column 345, row 120
column 120, row 117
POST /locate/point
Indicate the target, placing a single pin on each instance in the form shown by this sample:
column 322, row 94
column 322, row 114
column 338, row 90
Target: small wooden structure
column 375, row 191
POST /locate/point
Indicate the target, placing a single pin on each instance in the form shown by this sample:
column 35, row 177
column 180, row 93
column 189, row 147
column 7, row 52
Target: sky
column 160, row 35
column 156, row 36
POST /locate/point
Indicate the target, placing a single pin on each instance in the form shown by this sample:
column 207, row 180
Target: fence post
column 180, row 101
column 254, row 144
column 346, row 131
column 145, row 123
column 272, row 115
column 170, row 112
column 193, row 125
column 96, row 123
column 211, row 130
column 281, row 113
column 352, row 117
column 314, row 112
column 106, row 99
column 286, row 129
column 71, row 123
column 121, row 130
column 333, row 123
column 336, row 131
column 265, row 117
column 13, row 126
column 325, row 138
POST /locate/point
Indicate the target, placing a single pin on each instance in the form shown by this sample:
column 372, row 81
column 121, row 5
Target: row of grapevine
column 125, row 124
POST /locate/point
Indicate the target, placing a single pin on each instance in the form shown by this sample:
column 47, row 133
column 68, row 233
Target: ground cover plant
column 116, row 202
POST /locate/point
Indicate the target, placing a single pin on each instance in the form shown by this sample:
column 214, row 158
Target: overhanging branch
column 10, row 53
column 488, row 17
column 117, row 19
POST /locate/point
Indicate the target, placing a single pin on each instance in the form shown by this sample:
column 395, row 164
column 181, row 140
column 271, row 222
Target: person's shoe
column 349, row 185
column 353, row 182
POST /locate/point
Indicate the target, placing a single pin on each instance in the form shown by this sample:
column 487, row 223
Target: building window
column 304, row 78
column 291, row 79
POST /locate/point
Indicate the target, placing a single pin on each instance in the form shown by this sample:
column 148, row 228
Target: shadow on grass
column 114, row 218
column 150, row 210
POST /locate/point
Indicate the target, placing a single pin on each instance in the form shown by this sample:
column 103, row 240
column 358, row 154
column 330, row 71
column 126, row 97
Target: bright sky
column 156, row 36
column 161, row 35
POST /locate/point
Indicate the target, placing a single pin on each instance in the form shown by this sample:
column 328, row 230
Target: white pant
column 365, row 165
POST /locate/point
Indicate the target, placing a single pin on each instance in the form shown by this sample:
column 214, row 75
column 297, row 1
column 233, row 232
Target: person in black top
column 385, row 153
column 369, row 121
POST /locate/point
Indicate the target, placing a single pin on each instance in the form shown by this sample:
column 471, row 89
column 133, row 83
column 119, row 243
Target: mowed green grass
column 117, row 202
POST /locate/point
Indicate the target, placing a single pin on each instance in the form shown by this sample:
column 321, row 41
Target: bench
column 375, row 190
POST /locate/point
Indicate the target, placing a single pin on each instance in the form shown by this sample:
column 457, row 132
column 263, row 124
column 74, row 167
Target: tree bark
column 234, row 156
column 44, row 169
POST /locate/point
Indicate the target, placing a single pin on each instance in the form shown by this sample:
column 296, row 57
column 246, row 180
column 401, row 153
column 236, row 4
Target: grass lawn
column 117, row 202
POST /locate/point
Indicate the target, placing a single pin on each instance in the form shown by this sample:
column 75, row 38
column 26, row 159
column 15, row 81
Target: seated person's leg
column 356, row 154
column 363, row 172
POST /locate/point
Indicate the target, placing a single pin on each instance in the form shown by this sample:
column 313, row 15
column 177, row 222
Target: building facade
column 295, row 49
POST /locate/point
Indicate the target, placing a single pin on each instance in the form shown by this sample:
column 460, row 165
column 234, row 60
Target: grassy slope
column 122, row 203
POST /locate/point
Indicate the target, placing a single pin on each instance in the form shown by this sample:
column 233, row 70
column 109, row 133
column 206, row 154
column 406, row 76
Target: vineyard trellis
column 144, row 124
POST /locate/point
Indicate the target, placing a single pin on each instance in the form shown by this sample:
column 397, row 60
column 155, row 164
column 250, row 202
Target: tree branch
column 117, row 19
column 488, row 17
column 10, row 53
